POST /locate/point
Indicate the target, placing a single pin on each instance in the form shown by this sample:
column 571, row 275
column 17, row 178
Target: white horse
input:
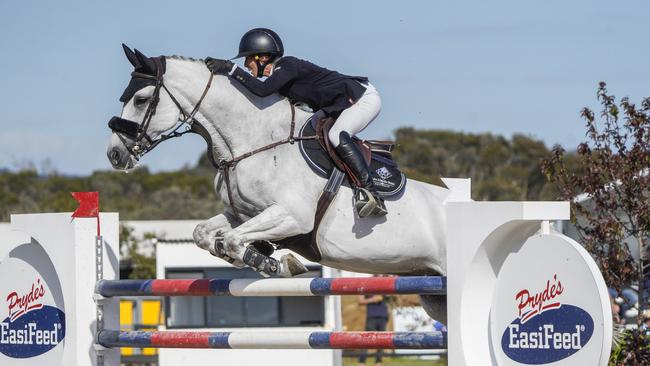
column 275, row 192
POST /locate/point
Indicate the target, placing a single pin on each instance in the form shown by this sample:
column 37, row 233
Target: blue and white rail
column 422, row 285
column 273, row 340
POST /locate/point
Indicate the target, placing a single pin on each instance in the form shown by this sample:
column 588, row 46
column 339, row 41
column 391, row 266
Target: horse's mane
column 191, row 59
column 184, row 58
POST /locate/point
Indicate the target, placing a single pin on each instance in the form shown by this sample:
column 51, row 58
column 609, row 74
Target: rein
column 138, row 131
column 226, row 165
column 144, row 143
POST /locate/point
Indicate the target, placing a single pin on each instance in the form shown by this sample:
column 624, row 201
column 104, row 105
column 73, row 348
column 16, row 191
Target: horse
column 271, row 195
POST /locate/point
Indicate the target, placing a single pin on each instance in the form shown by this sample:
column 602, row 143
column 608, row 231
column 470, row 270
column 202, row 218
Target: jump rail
column 501, row 249
column 273, row 340
column 422, row 285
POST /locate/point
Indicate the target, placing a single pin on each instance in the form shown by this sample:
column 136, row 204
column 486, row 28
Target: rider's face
column 251, row 64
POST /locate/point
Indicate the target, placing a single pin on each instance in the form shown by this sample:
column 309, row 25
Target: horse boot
column 287, row 266
column 366, row 199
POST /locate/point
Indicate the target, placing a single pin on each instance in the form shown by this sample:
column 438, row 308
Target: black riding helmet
column 261, row 41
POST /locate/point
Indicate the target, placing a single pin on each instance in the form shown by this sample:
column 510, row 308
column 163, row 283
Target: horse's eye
column 139, row 101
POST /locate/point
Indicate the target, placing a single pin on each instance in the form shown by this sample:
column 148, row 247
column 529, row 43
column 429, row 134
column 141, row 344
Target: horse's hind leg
column 271, row 224
column 435, row 306
column 208, row 235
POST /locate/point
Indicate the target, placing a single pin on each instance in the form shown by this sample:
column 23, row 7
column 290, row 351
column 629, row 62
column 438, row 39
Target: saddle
column 321, row 156
column 314, row 146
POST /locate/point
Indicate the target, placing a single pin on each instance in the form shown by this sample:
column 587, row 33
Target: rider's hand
column 218, row 66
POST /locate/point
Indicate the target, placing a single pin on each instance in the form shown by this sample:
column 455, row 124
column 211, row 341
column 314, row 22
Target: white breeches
column 354, row 119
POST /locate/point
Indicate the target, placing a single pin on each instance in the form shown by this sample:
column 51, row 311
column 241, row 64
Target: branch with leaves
column 608, row 185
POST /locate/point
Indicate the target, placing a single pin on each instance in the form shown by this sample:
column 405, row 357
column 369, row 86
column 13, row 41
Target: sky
column 502, row 67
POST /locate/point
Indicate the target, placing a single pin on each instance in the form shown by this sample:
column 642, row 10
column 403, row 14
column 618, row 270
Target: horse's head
column 162, row 97
column 147, row 114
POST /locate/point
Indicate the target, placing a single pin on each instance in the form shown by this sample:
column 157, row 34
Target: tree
column 500, row 168
column 142, row 266
column 612, row 182
column 184, row 194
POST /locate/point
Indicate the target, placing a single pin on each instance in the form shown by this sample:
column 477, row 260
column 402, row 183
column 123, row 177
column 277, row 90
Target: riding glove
column 218, row 66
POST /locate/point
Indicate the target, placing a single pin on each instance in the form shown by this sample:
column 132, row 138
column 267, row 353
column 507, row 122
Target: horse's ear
column 148, row 65
column 130, row 55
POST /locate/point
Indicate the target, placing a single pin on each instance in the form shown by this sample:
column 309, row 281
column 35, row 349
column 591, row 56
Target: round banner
column 550, row 306
column 31, row 325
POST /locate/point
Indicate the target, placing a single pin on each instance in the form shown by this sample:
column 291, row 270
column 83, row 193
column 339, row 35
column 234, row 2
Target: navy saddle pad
column 388, row 179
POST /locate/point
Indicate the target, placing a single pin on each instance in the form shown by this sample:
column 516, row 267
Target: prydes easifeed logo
column 546, row 330
column 31, row 327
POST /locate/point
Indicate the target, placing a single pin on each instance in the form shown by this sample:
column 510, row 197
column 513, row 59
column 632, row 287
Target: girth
column 226, row 165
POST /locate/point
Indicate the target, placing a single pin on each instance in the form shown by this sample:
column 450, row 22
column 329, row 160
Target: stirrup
column 368, row 204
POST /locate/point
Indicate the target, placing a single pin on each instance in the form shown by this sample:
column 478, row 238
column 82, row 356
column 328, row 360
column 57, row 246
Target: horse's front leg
column 273, row 223
column 208, row 235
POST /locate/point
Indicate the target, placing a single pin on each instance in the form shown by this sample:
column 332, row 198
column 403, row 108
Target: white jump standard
column 502, row 259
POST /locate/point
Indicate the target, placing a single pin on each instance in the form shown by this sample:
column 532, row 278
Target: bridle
column 138, row 132
column 143, row 143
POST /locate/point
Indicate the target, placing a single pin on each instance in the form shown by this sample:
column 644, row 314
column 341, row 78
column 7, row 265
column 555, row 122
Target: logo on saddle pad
column 33, row 325
column 546, row 330
column 383, row 173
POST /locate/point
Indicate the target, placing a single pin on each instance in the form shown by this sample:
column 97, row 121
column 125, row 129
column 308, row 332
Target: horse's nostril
column 114, row 156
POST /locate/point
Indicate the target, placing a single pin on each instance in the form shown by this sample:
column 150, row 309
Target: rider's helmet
column 261, row 41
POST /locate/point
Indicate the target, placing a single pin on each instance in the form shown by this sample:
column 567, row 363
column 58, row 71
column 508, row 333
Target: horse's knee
column 199, row 231
column 201, row 237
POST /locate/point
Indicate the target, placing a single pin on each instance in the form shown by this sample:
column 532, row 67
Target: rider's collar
column 274, row 64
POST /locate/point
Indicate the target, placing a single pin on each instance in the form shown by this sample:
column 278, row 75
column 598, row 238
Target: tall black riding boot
column 366, row 200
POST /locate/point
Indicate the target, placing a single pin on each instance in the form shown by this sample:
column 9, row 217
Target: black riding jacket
column 302, row 81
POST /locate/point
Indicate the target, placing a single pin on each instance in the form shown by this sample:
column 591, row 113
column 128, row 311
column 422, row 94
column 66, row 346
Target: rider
column 352, row 100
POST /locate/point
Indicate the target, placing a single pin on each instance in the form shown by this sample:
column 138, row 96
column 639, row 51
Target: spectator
column 627, row 299
column 645, row 326
column 376, row 320
column 616, row 311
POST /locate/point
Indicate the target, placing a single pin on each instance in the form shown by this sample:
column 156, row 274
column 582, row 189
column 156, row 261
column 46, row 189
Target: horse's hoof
column 291, row 266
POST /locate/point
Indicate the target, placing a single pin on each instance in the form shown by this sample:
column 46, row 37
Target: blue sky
column 503, row 67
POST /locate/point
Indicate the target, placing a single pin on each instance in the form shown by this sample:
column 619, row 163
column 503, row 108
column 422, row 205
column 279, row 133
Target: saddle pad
column 388, row 179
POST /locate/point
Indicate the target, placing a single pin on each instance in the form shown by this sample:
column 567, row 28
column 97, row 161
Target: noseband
column 143, row 143
column 138, row 132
